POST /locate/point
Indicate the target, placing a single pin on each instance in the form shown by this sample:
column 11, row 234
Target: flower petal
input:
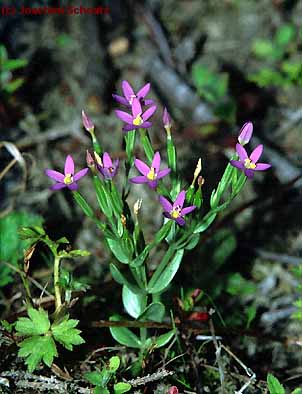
column 58, row 186
column 187, row 210
column 129, row 127
column 145, row 125
column 180, row 199
column 237, row 164
column 80, row 174
column 163, row 173
column 142, row 167
column 139, row 179
column 152, row 184
column 136, row 108
column 73, row 186
column 127, row 90
column 143, row 91
column 148, row 102
column 167, row 215
column 69, row 165
column 257, row 152
column 166, row 118
column 148, row 113
column 262, row 166
column 249, row 173
column 107, row 160
column 120, row 100
column 241, row 152
column 181, row 221
column 167, row 206
column 57, row 176
column 156, row 161
column 124, row 116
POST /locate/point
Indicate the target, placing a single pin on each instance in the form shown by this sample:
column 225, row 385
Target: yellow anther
column 152, row 174
column 68, row 179
column 138, row 120
column 176, row 212
column 249, row 164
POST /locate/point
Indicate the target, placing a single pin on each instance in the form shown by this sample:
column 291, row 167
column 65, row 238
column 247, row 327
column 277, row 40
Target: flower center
column 176, row 212
column 152, row 174
column 111, row 170
column 133, row 96
column 249, row 164
column 68, row 179
column 138, row 120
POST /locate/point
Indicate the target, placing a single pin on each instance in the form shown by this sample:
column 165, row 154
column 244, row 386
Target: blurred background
column 214, row 64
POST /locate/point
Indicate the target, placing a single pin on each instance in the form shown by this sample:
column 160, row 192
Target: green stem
column 56, row 278
column 161, row 266
column 145, row 140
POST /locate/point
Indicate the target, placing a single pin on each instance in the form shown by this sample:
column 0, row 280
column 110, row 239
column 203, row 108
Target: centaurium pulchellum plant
column 123, row 231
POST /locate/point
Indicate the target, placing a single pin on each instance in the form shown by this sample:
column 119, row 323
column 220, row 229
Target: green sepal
column 198, row 199
column 123, row 280
column 162, row 280
column 133, row 302
column 123, row 335
column 153, row 312
column 189, row 194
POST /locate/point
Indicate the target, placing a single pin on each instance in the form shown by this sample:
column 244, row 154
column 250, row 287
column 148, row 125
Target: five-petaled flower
column 129, row 95
column 245, row 133
column 106, row 167
column 151, row 175
column 249, row 164
column 138, row 119
column 69, row 178
column 176, row 211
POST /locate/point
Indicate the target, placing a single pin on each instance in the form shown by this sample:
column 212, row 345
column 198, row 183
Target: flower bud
column 137, row 206
column 87, row 123
column 246, row 133
column 167, row 121
column 89, row 159
column 98, row 159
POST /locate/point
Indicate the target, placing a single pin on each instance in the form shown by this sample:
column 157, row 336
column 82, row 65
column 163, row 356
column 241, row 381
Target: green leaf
column 13, row 64
column 192, row 242
column 163, row 280
column 74, row 253
column 251, row 314
column 153, row 312
column 11, row 247
column 124, row 336
column 238, row 286
column 123, row 280
column 114, row 363
column 164, row 339
column 207, row 220
column 37, row 323
column 94, row 378
column 274, row 386
column 119, row 249
column 297, row 391
column 102, row 196
column 121, row 387
column 66, row 333
column 38, row 348
column 285, row 35
column 134, row 303
column 263, row 48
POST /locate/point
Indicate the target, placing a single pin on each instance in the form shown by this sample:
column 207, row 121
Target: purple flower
column 129, row 95
column 138, row 119
column 106, row 167
column 246, row 133
column 249, row 164
column 152, row 174
column 69, row 178
column 87, row 122
column 176, row 211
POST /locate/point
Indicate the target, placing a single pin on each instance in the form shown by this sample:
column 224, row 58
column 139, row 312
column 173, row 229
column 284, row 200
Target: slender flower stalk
column 150, row 175
column 129, row 95
column 249, row 164
column 138, row 119
column 176, row 211
column 69, row 178
column 246, row 133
